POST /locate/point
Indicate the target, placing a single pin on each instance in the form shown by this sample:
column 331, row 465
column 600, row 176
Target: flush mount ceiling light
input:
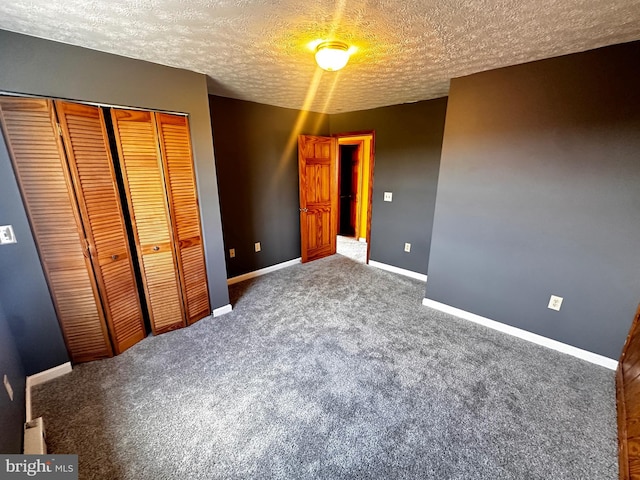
column 332, row 56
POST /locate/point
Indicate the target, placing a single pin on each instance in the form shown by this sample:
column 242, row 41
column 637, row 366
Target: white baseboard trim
column 222, row 310
column 524, row 334
column 362, row 239
column 401, row 271
column 262, row 271
column 42, row 377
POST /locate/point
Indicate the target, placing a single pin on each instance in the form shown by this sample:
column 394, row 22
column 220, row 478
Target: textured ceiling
column 257, row 50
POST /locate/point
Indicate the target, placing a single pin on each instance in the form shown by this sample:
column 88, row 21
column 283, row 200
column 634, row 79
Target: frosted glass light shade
column 332, row 56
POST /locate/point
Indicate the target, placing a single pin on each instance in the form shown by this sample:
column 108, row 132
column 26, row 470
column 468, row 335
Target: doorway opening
column 320, row 177
column 348, row 189
column 355, row 164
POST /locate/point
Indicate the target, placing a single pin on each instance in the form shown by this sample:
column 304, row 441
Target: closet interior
column 112, row 202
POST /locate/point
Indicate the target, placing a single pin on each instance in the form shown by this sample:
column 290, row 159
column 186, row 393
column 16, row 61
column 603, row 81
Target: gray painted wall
column 257, row 169
column 408, row 142
column 11, row 412
column 539, row 194
column 41, row 67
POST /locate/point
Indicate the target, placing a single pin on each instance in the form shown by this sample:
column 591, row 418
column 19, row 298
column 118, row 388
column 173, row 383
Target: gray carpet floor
column 352, row 248
column 334, row 369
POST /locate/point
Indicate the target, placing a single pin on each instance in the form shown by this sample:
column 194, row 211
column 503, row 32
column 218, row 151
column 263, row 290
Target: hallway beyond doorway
column 352, row 248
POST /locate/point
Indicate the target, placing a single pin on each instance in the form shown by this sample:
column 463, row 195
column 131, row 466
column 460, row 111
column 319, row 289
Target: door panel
column 164, row 300
column 175, row 145
column 43, row 175
column 319, row 235
column 141, row 165
column 318, row 196
column 92, row 171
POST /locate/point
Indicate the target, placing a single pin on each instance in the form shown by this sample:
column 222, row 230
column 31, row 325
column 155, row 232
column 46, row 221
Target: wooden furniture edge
column 621, row 406
column 623, row 452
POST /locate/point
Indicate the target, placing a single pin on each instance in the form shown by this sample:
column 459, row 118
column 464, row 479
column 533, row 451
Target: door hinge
column 59, row 129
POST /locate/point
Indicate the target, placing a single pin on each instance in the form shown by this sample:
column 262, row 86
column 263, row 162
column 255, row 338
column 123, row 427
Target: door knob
column 114, row 257
column 156, row 248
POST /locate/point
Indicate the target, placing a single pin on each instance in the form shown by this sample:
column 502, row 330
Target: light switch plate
column 555, row 302
column 232, row 253
column 388, row 196
column 6, row 235
column 258, row 247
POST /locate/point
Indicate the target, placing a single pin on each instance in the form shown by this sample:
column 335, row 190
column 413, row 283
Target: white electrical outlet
column 232, row 253
column 407, row 247
column 7, row 385
column 555, row 303
column 388, row 196
column 257, row 245
column 7, row 235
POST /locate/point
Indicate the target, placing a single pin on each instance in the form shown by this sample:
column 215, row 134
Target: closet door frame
column 87, row 245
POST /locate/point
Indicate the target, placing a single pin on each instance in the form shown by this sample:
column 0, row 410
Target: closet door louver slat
column 93, row 174
column 42, row 172
column 137, row 142
column 175, row 146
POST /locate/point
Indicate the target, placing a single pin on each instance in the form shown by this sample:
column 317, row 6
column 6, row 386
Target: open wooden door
column 318, row 170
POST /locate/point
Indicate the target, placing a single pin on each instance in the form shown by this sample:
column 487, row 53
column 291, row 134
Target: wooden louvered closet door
column 92, row 171
column 175, row 146
column 141, row 165
column 40, row 164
